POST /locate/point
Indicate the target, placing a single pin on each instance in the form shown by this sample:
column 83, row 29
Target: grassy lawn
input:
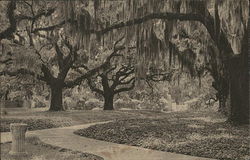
column 37, row 119
column 204, row 134
column 36, row 150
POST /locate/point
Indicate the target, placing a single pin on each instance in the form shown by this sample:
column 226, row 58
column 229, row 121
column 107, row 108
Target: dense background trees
column 163, row 31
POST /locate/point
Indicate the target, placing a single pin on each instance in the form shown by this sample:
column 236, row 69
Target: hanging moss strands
column 216, row 20
column 152, row 37
column 97, row 4
column 2, row 49
column 170, row 54
column 80, row 23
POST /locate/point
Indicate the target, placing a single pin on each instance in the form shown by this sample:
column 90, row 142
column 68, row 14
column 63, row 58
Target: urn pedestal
column 18, row 131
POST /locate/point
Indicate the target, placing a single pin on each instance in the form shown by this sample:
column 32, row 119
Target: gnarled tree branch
column 204, row 17
column 93, row 87
column 45, row 13
column 126, row 88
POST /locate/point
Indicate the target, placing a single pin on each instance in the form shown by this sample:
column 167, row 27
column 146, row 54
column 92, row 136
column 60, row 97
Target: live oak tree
column 109, row 90
column 120, row 75
column 122, row 80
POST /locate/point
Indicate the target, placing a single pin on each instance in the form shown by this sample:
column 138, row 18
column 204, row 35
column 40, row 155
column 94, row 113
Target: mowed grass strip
column 35, row 123
column 36, row 150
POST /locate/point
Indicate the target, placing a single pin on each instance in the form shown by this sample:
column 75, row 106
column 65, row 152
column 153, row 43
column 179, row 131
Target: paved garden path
column 65, row 138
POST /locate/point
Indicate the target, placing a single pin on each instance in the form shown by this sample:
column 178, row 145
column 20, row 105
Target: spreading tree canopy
column 158, row 28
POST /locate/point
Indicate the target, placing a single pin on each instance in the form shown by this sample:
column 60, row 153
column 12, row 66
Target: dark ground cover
column 204, row 134
column 37, row 150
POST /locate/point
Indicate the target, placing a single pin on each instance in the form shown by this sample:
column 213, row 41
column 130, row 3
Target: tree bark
column 239, row 91
column 56, row 98
column 239, row 85
column 108, row 102
column 223, row 108
column 223, row 94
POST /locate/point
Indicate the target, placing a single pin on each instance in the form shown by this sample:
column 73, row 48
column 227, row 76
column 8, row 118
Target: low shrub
column 135, row 104
column 119, row 103
column 39, row 104
column 92, row 103
column 69, row 103
column 36, row 102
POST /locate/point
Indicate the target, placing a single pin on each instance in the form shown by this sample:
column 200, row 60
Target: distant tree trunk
column 223, row 108
column 199, row 82
column 56, row 97
column 223, row 95
column 108, row 101
column 6, row 94
column 221, row 105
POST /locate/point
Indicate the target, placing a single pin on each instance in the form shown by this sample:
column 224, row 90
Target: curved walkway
column 65, row 138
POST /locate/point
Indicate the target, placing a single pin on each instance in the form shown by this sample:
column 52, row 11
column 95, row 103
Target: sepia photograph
column 124, row 80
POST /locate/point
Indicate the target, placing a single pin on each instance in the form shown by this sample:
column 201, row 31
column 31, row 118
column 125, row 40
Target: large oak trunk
column 108, row 102
column 239, row 86
column 239, row 92
column 56, row 98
